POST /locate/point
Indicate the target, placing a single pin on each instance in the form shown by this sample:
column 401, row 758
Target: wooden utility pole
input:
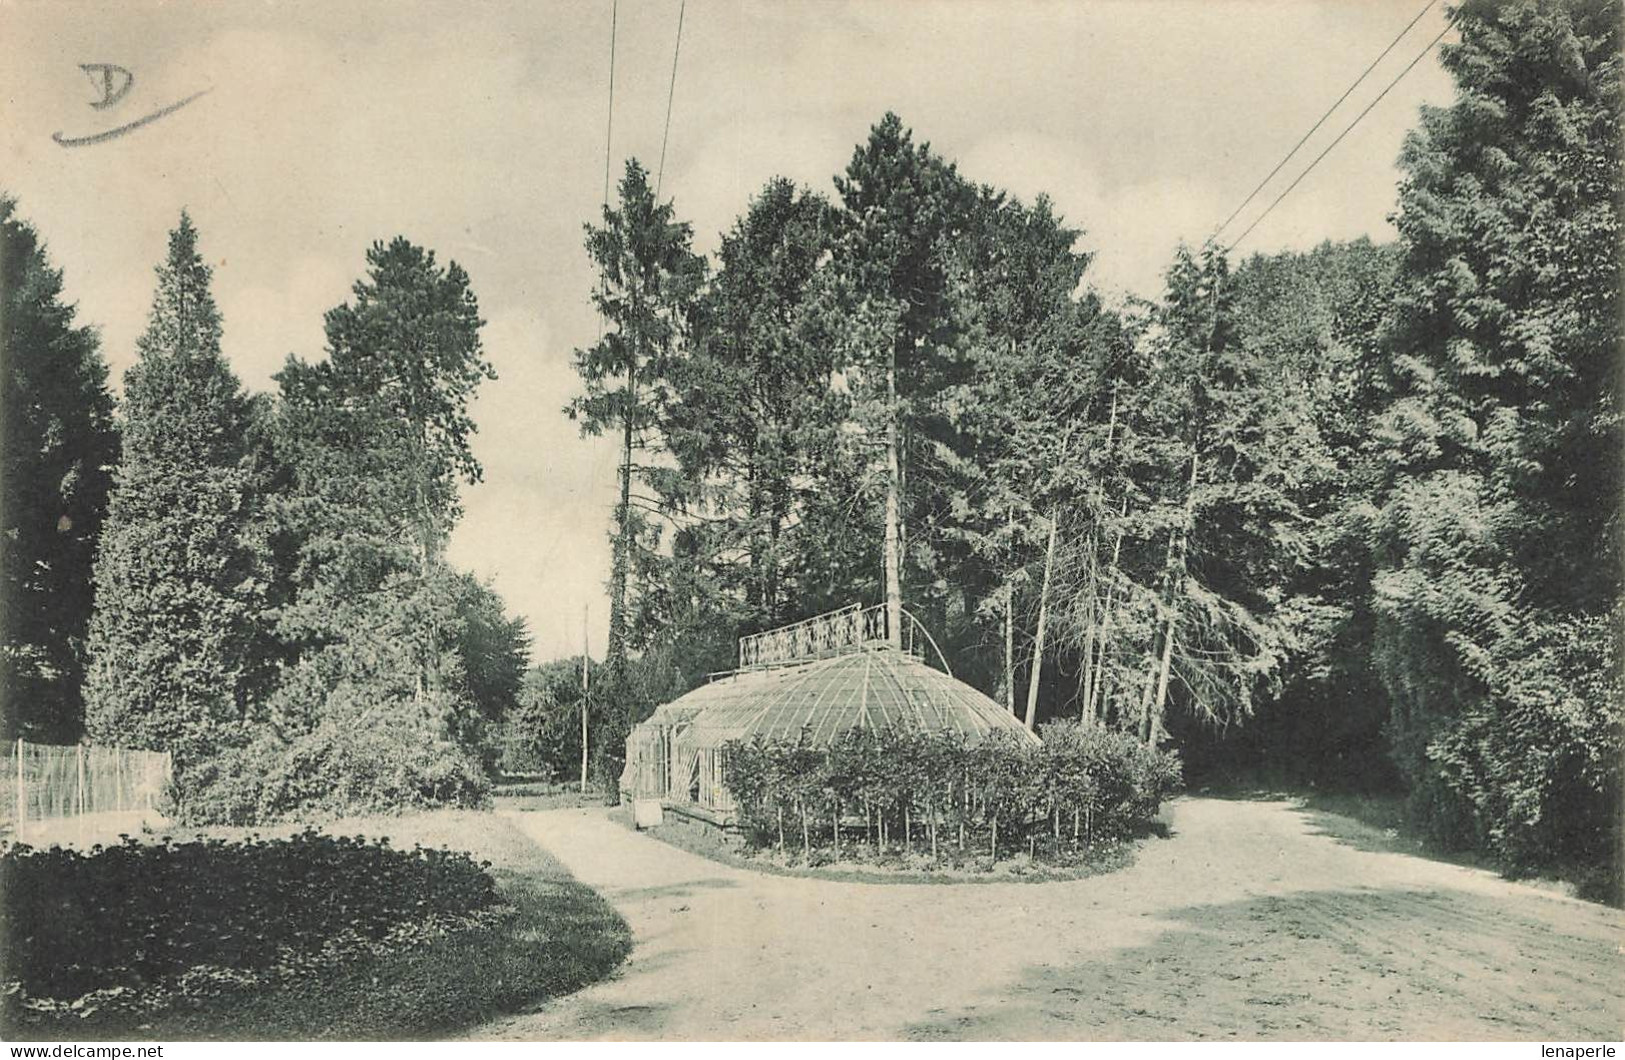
column 584, row 691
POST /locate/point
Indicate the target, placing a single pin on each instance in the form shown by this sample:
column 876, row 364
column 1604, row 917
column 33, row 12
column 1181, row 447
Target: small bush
column 127, row 916
column 330, row 772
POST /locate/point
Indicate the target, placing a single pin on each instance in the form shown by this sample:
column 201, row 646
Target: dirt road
column 1247, row 922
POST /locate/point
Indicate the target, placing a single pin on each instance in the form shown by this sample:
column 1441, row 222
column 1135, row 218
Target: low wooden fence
column 64, row 792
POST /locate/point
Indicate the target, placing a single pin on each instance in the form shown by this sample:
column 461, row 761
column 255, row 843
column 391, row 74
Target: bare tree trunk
column 1010, row 632
column 1176, row 579
column 1153, row 714
column 894, row 505
column 585, row 690
column 1111, row 592
column 1149, row 686
column 1086, row 675
column 621, row 563
column 1043, row 617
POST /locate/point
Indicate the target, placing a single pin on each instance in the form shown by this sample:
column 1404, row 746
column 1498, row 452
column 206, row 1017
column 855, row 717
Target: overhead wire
column 1315, row 127
column 609, row 119
column 1350, row 128
column 671, row 92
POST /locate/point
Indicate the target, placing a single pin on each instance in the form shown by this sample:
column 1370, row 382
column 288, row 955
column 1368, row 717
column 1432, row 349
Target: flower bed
column 138, row 926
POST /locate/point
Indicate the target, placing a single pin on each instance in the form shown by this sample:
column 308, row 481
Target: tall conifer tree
column 649, row 278
column 176, row 637
column 59, row 447
column 1499, row 580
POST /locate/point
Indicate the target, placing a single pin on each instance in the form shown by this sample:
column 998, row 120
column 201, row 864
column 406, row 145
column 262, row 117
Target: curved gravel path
column 1247, row 922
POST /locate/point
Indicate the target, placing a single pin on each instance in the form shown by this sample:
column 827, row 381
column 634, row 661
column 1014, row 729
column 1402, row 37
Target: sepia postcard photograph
column 787, row 521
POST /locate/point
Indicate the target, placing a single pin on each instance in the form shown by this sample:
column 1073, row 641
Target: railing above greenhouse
column 839, row 632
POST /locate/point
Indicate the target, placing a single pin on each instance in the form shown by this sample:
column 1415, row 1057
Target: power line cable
column 609, row 119
column 1368, row 107
column 671, row 91
column 1315, row 127
column 609, row 131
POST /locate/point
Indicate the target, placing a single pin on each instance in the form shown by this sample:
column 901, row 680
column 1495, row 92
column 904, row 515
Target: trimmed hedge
column 895, row 788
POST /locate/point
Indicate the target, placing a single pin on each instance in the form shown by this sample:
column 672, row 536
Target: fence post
column 22, row 791
column 80, row 749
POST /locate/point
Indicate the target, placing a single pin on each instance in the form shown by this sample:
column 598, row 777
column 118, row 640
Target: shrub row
column 898, row 787
column 125, row 916
column 329, row 772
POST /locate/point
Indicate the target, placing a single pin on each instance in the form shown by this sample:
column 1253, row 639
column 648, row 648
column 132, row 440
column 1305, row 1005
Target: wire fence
column 59, row 793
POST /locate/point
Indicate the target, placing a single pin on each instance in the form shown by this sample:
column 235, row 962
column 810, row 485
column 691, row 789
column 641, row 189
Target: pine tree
column 59, row 449
column 1020, row 430
column 902, row 209
column 753, row 418
column 1234, row 441
column 381, row 702
column 649, row 278
column 177, row 636
column 1314, row 318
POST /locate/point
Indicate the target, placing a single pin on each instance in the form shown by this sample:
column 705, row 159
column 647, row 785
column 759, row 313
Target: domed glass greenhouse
column 824, row 676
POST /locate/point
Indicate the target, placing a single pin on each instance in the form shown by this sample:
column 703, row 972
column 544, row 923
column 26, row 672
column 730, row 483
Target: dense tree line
column 1348, row 514
column 271, row 599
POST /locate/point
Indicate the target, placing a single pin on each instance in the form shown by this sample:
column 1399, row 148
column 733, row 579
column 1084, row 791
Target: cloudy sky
column 478, row 130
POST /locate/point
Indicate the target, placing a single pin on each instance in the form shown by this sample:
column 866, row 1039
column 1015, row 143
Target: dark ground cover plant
column 543, row 934
column 937, row 799
column 131, row 916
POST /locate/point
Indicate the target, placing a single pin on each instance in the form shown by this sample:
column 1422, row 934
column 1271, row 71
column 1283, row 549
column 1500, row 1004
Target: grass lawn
column 561, row 937
column 860, row 864
column 548, row 795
